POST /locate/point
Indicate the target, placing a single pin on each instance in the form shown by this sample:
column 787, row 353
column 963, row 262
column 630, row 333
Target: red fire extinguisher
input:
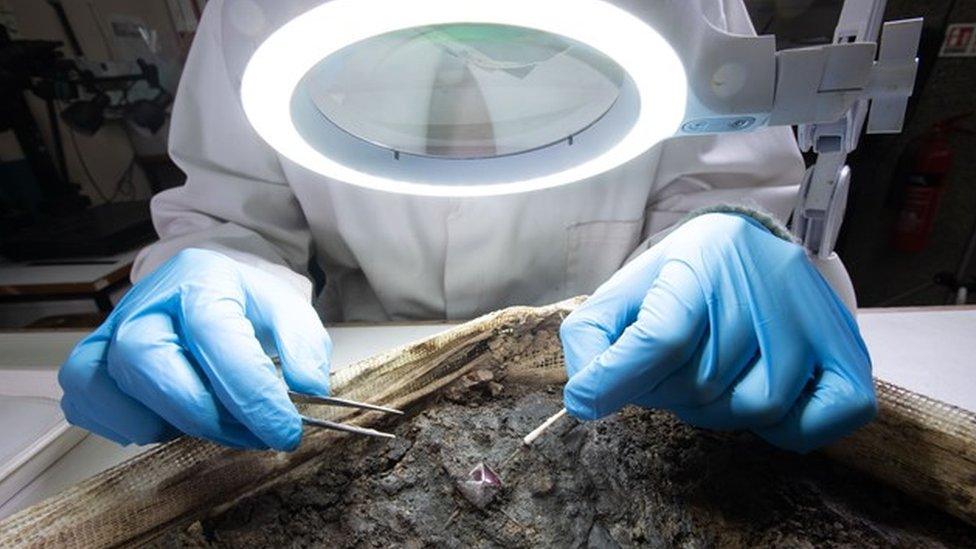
column 924, row 185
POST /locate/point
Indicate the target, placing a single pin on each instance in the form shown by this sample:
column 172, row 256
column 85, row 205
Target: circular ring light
column 278, row 67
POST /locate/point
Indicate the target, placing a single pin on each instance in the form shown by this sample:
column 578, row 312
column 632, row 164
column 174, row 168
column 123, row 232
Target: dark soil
column 640, row 478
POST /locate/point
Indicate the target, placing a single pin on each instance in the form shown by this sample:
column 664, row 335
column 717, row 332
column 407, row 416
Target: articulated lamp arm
column 881, row 86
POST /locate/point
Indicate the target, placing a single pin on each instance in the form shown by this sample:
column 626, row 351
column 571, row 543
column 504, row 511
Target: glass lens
column 465, row 90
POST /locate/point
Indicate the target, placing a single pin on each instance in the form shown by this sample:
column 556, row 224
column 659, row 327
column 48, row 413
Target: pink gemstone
column 481, row 486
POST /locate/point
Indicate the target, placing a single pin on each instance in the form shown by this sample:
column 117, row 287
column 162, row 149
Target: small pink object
column 481, row 486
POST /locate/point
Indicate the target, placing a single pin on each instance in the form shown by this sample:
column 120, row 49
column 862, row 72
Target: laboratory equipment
column 369, row 92
column 345, row 403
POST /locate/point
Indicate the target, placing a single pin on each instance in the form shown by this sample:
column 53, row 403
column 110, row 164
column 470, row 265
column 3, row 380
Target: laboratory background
column 87, row 92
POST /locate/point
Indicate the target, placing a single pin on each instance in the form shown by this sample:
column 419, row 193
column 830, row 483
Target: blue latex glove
column 186, row 350
column 728, row 326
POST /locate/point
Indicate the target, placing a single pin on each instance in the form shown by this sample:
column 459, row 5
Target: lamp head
column 87, row 116
column 149, row 114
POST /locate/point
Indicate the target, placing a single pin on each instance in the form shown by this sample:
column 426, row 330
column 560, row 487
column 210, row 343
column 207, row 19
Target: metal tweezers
column 335, row 426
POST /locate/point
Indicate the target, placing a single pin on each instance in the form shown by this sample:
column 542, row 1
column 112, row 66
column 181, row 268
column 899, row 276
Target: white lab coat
column 391, row 256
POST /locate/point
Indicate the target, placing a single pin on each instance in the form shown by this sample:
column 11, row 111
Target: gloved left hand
column 188, row 350
column 730, row 327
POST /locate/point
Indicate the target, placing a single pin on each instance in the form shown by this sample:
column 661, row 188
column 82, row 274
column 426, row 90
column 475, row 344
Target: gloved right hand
column 187, row 351
column 728, row 326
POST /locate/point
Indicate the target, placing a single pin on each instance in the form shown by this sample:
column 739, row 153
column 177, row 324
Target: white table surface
column 73, row 271
column 929, row 351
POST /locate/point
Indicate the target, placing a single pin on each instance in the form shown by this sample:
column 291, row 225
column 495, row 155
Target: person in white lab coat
column 247, row 242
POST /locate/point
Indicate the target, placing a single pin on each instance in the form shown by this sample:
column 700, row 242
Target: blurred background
column 85, row 92
column 86, row 87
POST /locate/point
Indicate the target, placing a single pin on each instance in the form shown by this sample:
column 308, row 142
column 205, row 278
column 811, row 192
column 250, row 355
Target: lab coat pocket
column 597, row 249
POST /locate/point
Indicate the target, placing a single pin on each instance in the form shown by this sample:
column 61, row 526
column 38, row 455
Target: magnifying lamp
column 489, row 97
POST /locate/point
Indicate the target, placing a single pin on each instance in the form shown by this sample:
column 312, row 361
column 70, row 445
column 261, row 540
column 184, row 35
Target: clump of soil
column 640, row 478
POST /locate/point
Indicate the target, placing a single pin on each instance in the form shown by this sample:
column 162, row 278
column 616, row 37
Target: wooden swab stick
column 530, row 438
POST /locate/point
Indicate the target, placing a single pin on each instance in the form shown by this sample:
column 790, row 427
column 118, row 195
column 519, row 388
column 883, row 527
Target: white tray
column 34, row 431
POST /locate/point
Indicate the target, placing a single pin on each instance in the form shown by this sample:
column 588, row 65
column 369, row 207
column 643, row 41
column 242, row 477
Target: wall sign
column 960, row 41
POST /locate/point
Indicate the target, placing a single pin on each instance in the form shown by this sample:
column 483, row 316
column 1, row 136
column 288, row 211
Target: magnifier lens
column 465, row 90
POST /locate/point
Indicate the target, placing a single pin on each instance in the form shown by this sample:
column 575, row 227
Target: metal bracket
column 880, row 97
column 823, row 197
